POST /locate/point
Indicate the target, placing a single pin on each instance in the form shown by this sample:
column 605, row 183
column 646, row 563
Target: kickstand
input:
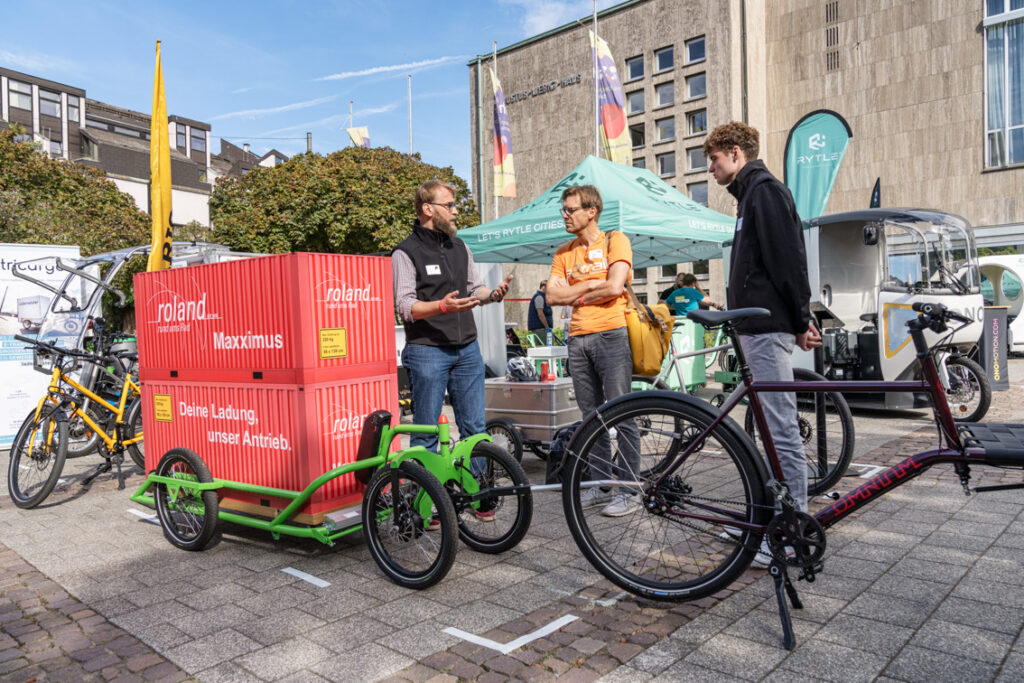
column 103, row 467
column 781, row 578
column 120, row 478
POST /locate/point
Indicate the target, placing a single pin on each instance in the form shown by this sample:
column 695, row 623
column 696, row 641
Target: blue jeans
column 601, row 365
column 770, row 357
column 432, row 369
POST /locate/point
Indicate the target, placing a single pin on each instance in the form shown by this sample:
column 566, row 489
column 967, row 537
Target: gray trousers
column 601, row 365
column 770, row 357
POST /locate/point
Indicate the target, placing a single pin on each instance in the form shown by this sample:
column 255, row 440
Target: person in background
column 689, row 297
column 436, row 288
column 767, row 269
column 671, row 288
column 539, row 318
column 590, row 273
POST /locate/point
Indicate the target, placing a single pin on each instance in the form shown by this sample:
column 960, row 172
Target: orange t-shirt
column 576, row 262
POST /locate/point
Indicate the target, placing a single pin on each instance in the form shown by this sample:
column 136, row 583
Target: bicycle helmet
column 521, row 369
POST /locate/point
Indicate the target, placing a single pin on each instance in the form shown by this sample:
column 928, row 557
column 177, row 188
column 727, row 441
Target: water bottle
column 550, row 340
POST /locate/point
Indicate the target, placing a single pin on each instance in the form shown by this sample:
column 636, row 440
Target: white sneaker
column 730, row 533
column 622, row 504
column 594, row 496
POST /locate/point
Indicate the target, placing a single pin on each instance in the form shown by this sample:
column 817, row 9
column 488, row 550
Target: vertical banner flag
column 360, row 136
column 876, row 194
column 814, row 151
column 159, row 175
column 617, row 145
column 504, row 170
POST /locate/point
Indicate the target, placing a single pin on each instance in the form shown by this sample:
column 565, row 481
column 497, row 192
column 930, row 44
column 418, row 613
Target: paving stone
column 829, row 661
column 369, row 661
column 736, row 656
column 890, row 609
column 957, row 639
column 211, row 650
column 865, row 634
column 920, row 664
column 284, row 658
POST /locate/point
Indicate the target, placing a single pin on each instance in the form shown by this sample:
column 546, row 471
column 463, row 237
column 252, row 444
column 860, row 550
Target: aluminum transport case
column 538, row 409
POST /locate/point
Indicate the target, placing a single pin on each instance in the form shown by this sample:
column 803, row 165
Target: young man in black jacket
column 767, row 269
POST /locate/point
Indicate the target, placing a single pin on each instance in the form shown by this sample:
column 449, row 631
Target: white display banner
column 22, row 305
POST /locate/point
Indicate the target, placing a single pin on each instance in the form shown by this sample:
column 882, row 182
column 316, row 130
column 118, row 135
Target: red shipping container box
column 286, row 319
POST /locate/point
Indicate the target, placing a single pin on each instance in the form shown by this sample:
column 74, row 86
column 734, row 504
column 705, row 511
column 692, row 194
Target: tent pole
column 597, row 109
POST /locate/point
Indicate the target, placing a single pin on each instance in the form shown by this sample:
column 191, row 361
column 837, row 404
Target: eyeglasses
column 570, row 210
column 450, row 205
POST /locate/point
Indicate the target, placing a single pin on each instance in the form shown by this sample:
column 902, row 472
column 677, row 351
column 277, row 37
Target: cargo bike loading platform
column 416, row 501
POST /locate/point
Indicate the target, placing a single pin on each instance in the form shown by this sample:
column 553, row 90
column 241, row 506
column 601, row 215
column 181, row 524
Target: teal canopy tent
column 664, row 226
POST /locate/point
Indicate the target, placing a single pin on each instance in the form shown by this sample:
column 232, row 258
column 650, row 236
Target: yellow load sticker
column 333, row 343
column 163, row 408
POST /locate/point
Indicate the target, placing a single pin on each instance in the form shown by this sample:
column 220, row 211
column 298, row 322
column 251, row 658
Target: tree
column 354, row 201
column 48, row 201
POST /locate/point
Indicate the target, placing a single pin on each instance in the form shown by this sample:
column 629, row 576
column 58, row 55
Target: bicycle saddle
column 715, row 318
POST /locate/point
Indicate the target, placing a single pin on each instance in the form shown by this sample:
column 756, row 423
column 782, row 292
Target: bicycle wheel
column 133, row 418
column 494, row 522
column 506, row 436
column 82, row 439
column 677, row 543
column 969, row 393
column 396, row 526
column 826, row 430
column 37, row 457
column 188, row 517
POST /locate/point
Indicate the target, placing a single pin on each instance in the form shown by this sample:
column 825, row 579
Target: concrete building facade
column 933, row 91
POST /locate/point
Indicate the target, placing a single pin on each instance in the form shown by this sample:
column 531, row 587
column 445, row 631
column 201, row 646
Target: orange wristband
column 580, row 303
column 441, row 305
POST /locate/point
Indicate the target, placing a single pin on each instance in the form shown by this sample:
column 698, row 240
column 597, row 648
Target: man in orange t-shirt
column 590, row 274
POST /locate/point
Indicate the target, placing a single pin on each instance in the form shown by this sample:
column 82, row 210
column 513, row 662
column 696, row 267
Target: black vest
column 442, row 266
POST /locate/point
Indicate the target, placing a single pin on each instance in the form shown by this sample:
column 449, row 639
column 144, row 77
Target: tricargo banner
column 814, row 151
column 994, row 348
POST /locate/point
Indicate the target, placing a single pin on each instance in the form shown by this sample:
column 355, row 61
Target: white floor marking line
column 505, row 648
column 869, row 470
column 319, row 583
column 612, row 600
column 146, row 517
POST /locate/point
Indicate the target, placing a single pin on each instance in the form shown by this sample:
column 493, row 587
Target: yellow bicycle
column 41, row 445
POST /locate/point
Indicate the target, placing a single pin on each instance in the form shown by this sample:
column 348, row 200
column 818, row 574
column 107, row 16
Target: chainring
column 806, row 538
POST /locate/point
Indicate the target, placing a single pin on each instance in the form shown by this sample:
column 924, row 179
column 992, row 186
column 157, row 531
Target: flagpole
column 597, row 112
column 350, row 124
column 410, row 114
column 494, row 56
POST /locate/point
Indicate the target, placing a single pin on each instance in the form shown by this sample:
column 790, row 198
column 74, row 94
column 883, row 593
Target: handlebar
column 934, row 316
column 58, row 351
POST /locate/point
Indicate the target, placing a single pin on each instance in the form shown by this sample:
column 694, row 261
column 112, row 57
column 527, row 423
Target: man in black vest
column 436, row 287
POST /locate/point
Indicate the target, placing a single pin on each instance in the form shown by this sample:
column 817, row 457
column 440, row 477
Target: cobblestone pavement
column 924, row 584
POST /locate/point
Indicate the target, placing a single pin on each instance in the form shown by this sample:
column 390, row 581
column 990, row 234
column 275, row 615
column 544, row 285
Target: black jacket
column 768, row 264
column 442, row 266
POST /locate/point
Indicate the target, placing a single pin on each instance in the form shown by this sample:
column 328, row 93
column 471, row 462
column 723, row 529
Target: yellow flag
column 159, row 175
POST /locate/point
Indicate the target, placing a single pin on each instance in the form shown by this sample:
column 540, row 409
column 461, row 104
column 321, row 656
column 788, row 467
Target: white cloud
column 257, row 113
column 239, row 91
column 376, row 110
column 33, row 62
column 411, row 66
column 334, row 118
column 543, row 15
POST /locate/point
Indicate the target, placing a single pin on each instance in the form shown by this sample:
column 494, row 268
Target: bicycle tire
column 136, row 451
column 31, row 477
column 973, row 383
column 188, row 517
column 506, row 435
column 399, row 541
column 497, row 522
column 82, row 439
column 648, row 552
column 822, row 472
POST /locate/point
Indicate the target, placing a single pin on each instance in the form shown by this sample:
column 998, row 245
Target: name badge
column 433, row 270
column 595, row 255
column 739, row 224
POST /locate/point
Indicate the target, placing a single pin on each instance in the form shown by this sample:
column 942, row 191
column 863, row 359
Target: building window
column 664, row 59
column 665, row 129
column 634, row 68
column 56, row 148
column 668, row 272
column 1004, row 82
column 88, row 149
column 20, row 94
column 639, row 276
column 635, row 102
column 700, row 268
column 664, row 94
column 179, row 136
column 198, row 140
column 695, row 50
column 697, row 122
column 636, row 135
column 666, row 164
column 698, row 192
column 49, row 103
column 73, row 111
column 639, row 162
column 127, row 131
column 696, row 159
column 696, row 86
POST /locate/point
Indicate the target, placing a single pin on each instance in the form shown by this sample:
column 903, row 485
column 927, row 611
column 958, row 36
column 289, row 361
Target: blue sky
column 263, row 69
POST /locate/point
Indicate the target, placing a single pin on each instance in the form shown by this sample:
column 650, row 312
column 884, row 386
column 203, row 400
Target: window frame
column 671, row 49
column 1007, row 131
column 629, row 103
column 642, row 129
column 690, row 115
column 201, row 138
column 658, row 129
column 629, row 74
column 686, row 49
column 658, row 104
column 13, row 94
column 689, row 191
column 74, row 105
column 694, row 169
column 639, row 162
column 52, row 100
column 657, row 163
column 689, row 96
